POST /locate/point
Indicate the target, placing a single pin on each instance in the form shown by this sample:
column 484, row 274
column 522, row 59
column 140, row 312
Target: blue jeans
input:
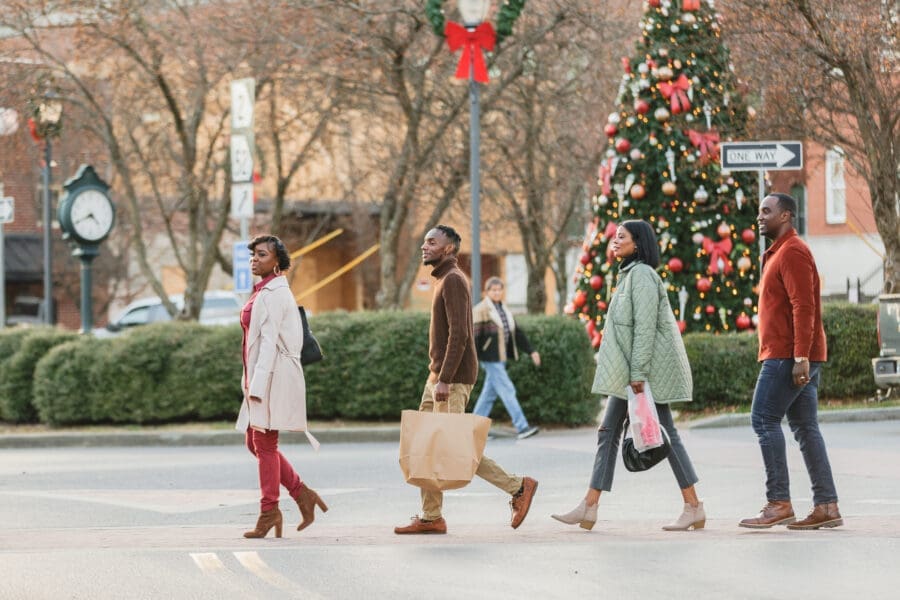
column 610, row 434
column 498, row 383
column 777, row 396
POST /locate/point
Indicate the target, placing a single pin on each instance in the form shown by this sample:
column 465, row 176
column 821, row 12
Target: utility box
column 886, row 365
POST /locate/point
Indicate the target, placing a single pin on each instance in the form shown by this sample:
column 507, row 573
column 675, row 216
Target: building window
column 835, row 187
column 799, row 194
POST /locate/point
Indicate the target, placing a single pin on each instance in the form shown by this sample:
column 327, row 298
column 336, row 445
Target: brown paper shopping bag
column 441, row 451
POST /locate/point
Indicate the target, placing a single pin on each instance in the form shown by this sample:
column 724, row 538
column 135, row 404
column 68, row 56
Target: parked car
column 887, row 373
column 219, row 308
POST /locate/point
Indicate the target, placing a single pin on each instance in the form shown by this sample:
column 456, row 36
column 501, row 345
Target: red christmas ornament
column 690, row 5
column 623, row 145
column 742, row 322
column 642, row 107
column 585, row 258
column 748, row 236
column 723, row 230
column 601, row 305
column 703, row 285
column 626, row 65
column 595, row 341
column 611, row 129
column 682, row 326
column 710, row 309
column 591, row 328
column 596, row 282
column 654, row 3
column 638, row 191
column 580, row 299
column 675, row 264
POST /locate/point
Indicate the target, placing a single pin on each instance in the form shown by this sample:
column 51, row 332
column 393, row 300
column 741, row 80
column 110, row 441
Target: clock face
column 91, row 215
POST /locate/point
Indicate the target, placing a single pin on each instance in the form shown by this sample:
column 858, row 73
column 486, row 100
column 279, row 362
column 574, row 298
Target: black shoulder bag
column 311, row 352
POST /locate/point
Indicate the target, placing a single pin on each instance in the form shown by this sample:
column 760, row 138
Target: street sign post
column 7, row 211
column 243, row 97
column 240, row 268
column 761, row 157
column 769, row 156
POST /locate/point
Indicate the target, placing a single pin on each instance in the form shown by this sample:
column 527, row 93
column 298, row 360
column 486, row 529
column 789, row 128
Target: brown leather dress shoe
column 822, row 515
column 775, row 512
column 418, row 525
column 521, row 501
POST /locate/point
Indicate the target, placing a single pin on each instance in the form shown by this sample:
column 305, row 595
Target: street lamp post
column 49, row 116
column 473, row 13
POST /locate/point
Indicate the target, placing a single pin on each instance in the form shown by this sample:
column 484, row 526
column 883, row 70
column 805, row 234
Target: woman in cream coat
column 273, row 384
column 641, row 343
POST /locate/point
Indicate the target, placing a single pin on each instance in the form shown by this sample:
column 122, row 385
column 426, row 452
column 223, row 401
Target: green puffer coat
column 641, row 341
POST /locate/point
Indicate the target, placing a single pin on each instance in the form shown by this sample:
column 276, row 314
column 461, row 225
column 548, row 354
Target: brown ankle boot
column 775, row 512
column 822, row 515
column 307, row 500
column 267, row 520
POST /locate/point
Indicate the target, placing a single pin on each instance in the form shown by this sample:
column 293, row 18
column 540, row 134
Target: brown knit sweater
column 451, row 340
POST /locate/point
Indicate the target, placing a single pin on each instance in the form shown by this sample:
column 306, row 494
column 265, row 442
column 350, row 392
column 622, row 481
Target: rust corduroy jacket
column 790, row 307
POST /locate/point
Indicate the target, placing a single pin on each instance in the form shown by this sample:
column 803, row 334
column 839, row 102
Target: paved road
column 136, row 523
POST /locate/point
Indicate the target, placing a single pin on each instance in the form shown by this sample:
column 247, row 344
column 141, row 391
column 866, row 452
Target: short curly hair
column 284, row 259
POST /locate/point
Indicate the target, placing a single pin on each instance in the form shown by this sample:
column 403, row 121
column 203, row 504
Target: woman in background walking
column 273, row 384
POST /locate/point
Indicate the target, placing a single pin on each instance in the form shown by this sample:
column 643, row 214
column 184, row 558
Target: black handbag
column 641, row 461
column 311, row 352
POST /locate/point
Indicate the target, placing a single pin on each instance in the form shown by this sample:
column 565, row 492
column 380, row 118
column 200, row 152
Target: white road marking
column 256, row 565
column 208, row 562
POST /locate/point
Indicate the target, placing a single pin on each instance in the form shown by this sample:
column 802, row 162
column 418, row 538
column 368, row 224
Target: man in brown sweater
column 453, row 371
column 791, row 350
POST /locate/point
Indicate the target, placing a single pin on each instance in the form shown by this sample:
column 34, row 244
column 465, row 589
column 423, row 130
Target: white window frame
column 835, row 187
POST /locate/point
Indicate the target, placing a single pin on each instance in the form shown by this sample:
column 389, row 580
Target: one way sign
column 754, row 156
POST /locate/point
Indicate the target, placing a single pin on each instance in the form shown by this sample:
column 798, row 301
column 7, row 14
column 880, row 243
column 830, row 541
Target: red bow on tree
column 605, row 173
column 718, row 251
column 705, row 141
column 473, row 42
column 676, row 92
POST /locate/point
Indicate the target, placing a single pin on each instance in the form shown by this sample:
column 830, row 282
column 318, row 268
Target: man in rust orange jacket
column 791, row 349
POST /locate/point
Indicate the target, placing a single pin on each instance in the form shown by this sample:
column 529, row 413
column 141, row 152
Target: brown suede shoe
column 417, row 525
column 775, row 512
column 521, row 501
column 822, row 515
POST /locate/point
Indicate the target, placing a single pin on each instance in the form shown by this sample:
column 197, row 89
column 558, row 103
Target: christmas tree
column 678, row 98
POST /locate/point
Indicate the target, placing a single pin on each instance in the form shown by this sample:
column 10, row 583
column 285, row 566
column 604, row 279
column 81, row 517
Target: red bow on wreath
column 718, row 251
column 605, row 173
column 473, row 42
column 705, row 141
column 676, row 92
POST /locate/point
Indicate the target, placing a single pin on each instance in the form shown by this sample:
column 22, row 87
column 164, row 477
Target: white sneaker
column 528, row 433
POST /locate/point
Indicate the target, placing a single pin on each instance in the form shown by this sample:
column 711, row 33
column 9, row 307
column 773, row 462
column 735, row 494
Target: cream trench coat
column 274, row 341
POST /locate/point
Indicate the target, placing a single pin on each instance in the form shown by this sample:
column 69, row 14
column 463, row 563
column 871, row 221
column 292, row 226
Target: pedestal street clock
column 86, row 216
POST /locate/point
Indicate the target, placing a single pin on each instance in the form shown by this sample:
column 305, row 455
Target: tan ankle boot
column 267, row 520
column 307, row 500
column 582, row 514
column 692, row 517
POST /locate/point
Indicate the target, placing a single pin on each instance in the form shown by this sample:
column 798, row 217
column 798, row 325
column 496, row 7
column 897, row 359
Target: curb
column 389, row 433
column 828, row 416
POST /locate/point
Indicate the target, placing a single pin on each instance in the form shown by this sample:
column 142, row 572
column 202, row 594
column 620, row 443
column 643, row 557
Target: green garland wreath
column 506, row 17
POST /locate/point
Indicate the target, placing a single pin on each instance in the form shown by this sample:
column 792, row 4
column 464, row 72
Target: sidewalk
column 328, row 433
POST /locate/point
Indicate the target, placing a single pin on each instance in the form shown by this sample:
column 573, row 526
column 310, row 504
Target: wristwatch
column 800, row 359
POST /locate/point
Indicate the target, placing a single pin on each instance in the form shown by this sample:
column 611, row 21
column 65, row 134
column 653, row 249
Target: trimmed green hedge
column 376, row 365
column 16, row 386
column 725, row 368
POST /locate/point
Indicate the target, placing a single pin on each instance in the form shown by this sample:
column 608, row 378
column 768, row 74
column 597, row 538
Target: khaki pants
column 487, row 468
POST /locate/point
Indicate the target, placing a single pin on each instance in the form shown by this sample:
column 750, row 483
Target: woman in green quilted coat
column 641, row 343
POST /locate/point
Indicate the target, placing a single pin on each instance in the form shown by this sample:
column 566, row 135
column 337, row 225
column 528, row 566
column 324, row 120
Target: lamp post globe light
column 49, row 120
column 473, row 12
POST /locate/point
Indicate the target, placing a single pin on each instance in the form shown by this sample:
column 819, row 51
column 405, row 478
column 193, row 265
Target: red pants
column 274, row 468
